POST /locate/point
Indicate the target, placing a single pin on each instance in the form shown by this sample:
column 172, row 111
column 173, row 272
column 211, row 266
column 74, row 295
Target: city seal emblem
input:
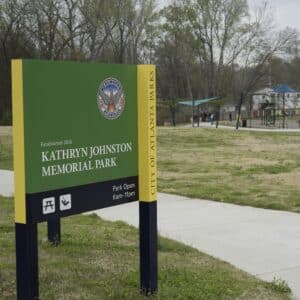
column 111, row 98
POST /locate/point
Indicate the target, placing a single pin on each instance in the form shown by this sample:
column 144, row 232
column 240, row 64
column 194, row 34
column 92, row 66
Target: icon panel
column 48, row 205
column 65, row 202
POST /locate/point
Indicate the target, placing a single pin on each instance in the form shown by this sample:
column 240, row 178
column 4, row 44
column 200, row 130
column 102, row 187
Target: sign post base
column 148, row 247
column 54, row 231
column 27, row 261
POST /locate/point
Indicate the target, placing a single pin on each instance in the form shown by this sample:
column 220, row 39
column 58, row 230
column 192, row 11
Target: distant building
column 261, row 97
column 280, row 98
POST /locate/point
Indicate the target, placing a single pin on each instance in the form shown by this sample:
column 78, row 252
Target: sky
column 286, row 12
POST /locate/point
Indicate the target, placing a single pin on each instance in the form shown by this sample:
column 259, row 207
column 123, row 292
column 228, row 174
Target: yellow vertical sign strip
column 146, row 77
column 18, row 140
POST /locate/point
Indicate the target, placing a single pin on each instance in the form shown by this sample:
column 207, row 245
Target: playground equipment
column 282, row 90
column 268, row 114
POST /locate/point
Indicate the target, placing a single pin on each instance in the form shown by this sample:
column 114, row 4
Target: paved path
column 6, row 183
column 265, row 243
column 209, row 125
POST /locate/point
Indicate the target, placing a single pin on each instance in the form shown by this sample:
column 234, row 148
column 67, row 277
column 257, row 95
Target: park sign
column 84, row 137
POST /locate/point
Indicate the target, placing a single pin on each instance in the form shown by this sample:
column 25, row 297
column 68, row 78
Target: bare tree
column 142, row 29
column 98, row 18
column 70, row 30
column 222, row 30
column 13, row 44
column 42, row 24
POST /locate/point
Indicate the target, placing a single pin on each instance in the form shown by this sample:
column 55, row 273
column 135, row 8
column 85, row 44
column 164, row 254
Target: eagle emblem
column 111, row 98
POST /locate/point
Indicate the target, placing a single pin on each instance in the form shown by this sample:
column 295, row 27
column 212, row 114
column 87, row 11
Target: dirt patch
column 290, row 179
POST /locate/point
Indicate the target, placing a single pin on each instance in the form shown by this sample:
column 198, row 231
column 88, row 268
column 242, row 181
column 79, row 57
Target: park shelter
column 197, row 103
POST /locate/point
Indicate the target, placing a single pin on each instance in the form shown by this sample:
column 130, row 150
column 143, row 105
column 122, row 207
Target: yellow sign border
column 146, row 77
column 18, row 140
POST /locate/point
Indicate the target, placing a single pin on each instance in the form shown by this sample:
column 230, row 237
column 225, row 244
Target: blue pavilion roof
column 283, row 88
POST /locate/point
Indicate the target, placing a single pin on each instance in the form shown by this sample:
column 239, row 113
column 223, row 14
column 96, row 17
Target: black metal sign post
column 27, row 261
column 148, row 247
column 53, row 226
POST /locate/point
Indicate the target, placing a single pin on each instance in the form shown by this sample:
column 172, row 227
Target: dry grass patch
column 249, row 168
column 289, row 179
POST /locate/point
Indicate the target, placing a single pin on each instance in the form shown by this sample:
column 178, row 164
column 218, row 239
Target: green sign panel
column 75, row 135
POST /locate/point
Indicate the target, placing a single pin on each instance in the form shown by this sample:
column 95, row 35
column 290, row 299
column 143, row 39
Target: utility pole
column 239, row 112
column 193, row 115
column 283, row 111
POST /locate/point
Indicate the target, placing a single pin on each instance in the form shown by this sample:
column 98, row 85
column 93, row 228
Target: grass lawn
column 259, row 169
column 6, row 153
column 99, row 260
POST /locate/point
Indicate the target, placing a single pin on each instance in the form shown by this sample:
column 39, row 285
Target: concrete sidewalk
column 265, row 243
column 213, row 126
column 6, row 183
